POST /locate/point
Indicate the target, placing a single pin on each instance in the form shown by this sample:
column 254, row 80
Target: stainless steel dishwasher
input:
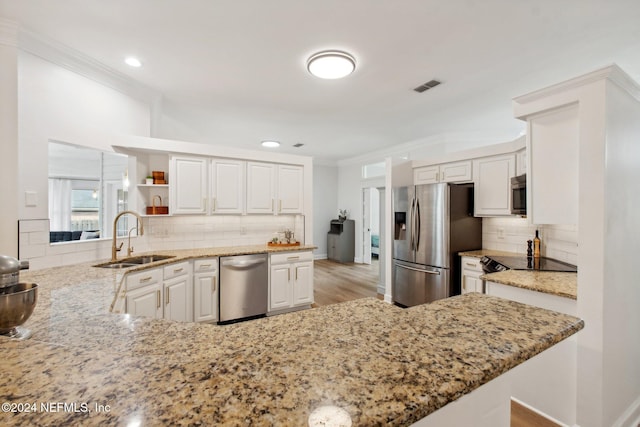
column 244, row 282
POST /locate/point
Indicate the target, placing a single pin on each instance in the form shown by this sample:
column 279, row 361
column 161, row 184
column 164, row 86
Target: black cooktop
column 501, row 263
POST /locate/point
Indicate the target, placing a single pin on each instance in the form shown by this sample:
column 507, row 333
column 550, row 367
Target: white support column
column 8, row 138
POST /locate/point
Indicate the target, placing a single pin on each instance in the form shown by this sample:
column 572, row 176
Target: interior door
column 366, row 225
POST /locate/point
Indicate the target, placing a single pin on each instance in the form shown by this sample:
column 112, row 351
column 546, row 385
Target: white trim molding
column 8, row 33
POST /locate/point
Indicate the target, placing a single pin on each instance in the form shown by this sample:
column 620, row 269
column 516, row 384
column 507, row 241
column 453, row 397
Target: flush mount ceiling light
column 331, row 64
column 133, row 62
column 270, row 144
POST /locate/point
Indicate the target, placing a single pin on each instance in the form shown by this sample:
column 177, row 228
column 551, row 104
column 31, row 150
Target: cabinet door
column 205, row 297
column 492, row 189
column 471, row 282
column 260, row 188
column 552, row 197
column 302, row 283
column 227, row 184
column 145, row 301
column 290, row 189
column 426, row 175
column 177, row 299
column 280, row 287
column 456, row 172
column 521, row 162
column 188, row 185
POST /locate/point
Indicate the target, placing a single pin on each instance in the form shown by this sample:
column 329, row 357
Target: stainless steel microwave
column 519, row 195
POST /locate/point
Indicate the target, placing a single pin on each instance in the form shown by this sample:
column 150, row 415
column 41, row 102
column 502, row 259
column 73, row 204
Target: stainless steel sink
column 134, row 261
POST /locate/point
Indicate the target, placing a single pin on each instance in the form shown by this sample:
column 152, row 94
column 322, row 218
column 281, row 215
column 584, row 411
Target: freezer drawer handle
column 437, row 273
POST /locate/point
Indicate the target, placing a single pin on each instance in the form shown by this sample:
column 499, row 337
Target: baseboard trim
column 320, row 256
column 631, row 416
column 542, row 414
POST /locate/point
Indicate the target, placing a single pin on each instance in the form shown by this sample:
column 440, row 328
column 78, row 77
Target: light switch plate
column 30, row 199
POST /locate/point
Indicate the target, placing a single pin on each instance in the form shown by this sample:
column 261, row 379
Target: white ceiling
column 233, row 72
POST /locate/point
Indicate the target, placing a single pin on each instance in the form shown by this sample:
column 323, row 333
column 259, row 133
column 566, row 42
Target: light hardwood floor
column 335, row 282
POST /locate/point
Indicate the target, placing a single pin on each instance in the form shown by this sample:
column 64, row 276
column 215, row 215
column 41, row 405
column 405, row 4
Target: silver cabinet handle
column 215, row 204
column 280, row 206
column 157, row 299
column 178, row 270
column 292, row 258
column 145, row 279
column 469, row 264
column 213, row 284
column 204, row 266
column 168, row 293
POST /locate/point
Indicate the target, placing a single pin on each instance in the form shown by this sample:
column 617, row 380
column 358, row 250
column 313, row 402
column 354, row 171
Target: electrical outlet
column 500, row 233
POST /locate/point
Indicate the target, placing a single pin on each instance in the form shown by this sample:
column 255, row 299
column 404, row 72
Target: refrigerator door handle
column 437, row 273
column 417, row 227
column 411, row 221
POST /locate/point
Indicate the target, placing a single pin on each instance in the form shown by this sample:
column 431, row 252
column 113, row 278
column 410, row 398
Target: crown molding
column 79, row 63
column 8, row 33
column 612, row 72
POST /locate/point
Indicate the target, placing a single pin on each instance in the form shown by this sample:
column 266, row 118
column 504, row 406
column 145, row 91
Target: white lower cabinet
column 291, row 280
column 162, row 292
column 144, row 293
column 205, row 290
column 145, row 301
column 471, row 272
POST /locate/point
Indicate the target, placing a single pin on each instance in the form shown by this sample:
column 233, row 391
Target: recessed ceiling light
column 270, row 144
column 331, row 64
column 133, row 62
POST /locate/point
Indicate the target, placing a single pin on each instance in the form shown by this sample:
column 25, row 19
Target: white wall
column 350, row 198
column 325, row 205
column 55, row 103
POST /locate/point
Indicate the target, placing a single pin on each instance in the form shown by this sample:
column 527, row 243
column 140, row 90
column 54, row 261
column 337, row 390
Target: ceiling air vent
column 426, row 86
column 298, row 145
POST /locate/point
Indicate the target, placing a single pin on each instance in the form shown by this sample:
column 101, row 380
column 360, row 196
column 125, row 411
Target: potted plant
column 149, row 180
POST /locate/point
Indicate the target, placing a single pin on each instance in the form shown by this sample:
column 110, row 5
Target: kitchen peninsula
column 382, row 364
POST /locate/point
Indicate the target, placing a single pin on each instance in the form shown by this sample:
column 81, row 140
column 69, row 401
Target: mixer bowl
column 16, row 305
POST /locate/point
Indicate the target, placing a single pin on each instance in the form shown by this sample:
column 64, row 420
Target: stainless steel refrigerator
column 432, row 223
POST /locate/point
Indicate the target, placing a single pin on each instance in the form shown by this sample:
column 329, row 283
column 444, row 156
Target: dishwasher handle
column 237, row 263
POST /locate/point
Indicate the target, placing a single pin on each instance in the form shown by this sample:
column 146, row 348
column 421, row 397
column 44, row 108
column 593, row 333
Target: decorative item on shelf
column 158, row 177
column 149, row 180
column 342, row 214
column 157, row 210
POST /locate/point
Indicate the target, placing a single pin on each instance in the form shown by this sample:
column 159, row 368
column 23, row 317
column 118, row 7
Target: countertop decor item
column 343, row 214
column 17, row 300
column 159, row 209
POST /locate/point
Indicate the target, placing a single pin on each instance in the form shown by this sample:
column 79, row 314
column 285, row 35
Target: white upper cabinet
column 227, row 186
column 290, row 192
column 521, row 162
column 446, row 172
column 492, row 189
column 552, row 180
column 188, row 186
column 261, row 184
column 274, row 189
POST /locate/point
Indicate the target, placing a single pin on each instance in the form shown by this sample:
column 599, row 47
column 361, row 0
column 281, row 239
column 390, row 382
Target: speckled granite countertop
column 549, row 282
column 382, row 364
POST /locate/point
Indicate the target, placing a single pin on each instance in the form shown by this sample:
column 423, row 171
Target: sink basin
column 132, row 262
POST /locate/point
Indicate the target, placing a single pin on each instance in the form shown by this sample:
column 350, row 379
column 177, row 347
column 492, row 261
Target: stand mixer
column 17, row 300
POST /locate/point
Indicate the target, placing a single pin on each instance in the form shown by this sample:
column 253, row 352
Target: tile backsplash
column 161, row 233
column 511, row 234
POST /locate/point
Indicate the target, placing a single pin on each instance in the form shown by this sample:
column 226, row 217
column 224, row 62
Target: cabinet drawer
column 289, row 257
column 209, row 264
column 175, row 270
column 144, row 278
column 471, row 263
